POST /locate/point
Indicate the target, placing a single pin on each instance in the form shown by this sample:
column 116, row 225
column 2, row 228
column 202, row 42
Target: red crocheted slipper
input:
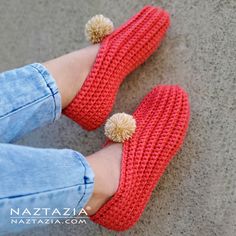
column 119, row 54
column 161, row 124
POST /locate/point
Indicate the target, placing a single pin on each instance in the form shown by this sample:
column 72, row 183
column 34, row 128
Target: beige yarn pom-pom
column 120, row 127
column 97, row 28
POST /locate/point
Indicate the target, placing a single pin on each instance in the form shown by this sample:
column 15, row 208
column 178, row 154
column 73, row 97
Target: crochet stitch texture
column 119, row 54
column 162, row 119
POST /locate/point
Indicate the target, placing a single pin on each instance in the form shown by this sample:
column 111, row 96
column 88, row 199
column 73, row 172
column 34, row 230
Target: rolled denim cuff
column 88, row 182
column 29, row 99
column 43, row 179
column 51, row 84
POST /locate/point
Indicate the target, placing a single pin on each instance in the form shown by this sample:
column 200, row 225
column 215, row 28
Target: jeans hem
column 88, row 182
column 51, row 84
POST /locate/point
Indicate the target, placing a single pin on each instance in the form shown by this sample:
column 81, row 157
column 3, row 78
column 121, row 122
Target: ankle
column 106, row 166
column 71, row 70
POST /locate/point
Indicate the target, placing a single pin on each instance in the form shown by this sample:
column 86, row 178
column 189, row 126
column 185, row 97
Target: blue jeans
column 32, row 179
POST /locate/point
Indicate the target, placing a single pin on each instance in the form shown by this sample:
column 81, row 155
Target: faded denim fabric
column 32, row 177
column 29, row 99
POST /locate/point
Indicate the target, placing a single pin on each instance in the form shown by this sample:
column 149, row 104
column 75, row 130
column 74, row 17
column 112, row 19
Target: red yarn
column 162, row 120
column 119, row 54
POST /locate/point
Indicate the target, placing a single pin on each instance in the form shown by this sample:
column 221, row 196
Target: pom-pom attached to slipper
column 120, row 127
column 97, row 28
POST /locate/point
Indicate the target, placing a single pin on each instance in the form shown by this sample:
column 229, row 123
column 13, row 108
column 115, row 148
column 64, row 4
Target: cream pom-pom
column 120, row 127
column 97, row 28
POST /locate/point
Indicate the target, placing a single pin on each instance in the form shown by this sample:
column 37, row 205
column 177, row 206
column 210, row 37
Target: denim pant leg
column 33, row 178
column 29, row 99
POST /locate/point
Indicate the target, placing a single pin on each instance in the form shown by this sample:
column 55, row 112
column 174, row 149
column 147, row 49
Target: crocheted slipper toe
column 119, row 54
column 161, row 124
